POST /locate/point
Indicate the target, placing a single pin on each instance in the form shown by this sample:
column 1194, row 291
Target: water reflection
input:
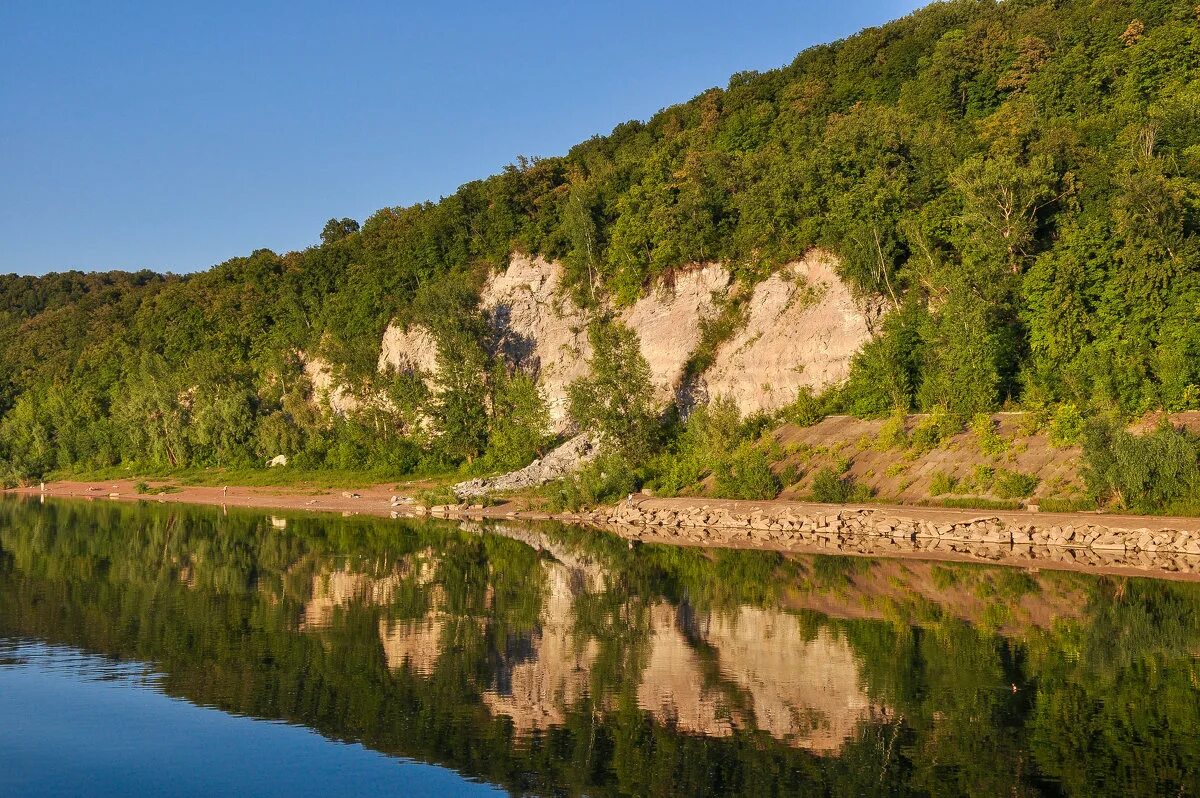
column 557, row 660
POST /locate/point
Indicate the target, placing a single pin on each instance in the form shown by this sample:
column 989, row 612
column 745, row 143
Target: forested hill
column 1019, row 180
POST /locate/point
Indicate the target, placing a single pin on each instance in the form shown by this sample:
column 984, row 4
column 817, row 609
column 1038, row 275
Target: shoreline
column 1017, row 538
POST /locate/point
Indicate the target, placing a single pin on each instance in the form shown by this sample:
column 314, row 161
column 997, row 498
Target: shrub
column 1066, row 426
column 935, row 428
column 706, row 440
column 607, row 479
column 1014, row 485
column 893, row 434
column 443, row 494
column 616, row 398
column 747, row 475
column 1146, row 473
column 807, row 409
column 980, row 480
column 942, row 483
column 990, row 442
column 835, row 487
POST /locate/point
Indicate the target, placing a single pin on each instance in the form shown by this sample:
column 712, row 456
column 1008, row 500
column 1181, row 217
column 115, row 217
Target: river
column 169, row 649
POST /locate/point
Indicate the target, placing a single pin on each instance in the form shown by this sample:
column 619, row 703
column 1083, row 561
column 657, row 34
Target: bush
column 893, row 434
column 706, row 440
column 747, row 475
column 616, row 398
column 1014, row 485
column 607, row 479
column 990, row 442
column 806, row 410
column 1066, row 426
column 980, row 480
column 942, row 483
column 935, row 428
column 1145, row 473
column 834, row 487
column 443, row 494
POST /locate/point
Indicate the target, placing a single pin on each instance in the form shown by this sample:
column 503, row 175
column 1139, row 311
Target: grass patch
column 974, row 503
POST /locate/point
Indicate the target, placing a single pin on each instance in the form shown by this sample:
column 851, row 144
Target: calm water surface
column 172, row 650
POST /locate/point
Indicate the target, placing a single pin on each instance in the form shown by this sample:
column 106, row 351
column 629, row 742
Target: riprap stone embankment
column 1163, row 544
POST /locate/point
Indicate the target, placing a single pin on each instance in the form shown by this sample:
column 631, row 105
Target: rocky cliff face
column 802, row 330
column 539, row 329
column 802, row 327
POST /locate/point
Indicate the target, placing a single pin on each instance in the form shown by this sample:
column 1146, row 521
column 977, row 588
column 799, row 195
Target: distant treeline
column 1020, row 181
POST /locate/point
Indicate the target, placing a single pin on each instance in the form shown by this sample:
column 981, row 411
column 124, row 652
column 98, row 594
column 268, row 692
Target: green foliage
column 1066, row 426
column 1146, row 473
column 442, row 495
column 700, row 448
column 1013, row 484
column 981, row 480
column 1016, row 183
column 834, row 486
column 893, row 434
column 605, row 480
column 746, row 474
column 941, row 483
column 936, row 427
column 615, row 399
column 519, row 428
column 989, row 440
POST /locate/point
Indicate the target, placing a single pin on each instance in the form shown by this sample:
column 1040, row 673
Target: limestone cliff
column 801, row 328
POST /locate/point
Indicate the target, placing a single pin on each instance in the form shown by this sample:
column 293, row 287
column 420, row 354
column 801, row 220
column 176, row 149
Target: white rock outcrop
column 410, row 349
column 538, row 329
column 669, row 321
column 327, row 390
column 564, row 460
column 802, row 329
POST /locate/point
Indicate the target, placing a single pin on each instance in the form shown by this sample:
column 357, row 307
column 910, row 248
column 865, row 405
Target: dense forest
column 1106, row 703
column 1019, row 180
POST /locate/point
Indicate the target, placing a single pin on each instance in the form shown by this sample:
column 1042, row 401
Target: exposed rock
column 668, row 322
column 412, row 350
column 865, row 530
column 804, row 326
column 564, row 460
column 326, row 390
column 538, row 329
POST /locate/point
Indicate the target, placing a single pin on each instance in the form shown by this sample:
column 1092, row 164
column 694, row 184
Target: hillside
column 979, row 206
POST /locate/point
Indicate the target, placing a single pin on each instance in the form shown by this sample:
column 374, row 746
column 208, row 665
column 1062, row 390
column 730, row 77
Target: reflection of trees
column 652, row 670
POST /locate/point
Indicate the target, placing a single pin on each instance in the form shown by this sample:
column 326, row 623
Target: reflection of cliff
column 536, row 686
column 672, row 687
column 586, row 573
column 338, row 588
column 415, row 642
column 341, row 587
column 804, row 692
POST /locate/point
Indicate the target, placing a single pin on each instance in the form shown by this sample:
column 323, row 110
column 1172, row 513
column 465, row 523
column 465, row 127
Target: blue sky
column 173, row 136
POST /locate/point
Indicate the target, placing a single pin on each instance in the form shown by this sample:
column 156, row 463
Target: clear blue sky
column 173, row 136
